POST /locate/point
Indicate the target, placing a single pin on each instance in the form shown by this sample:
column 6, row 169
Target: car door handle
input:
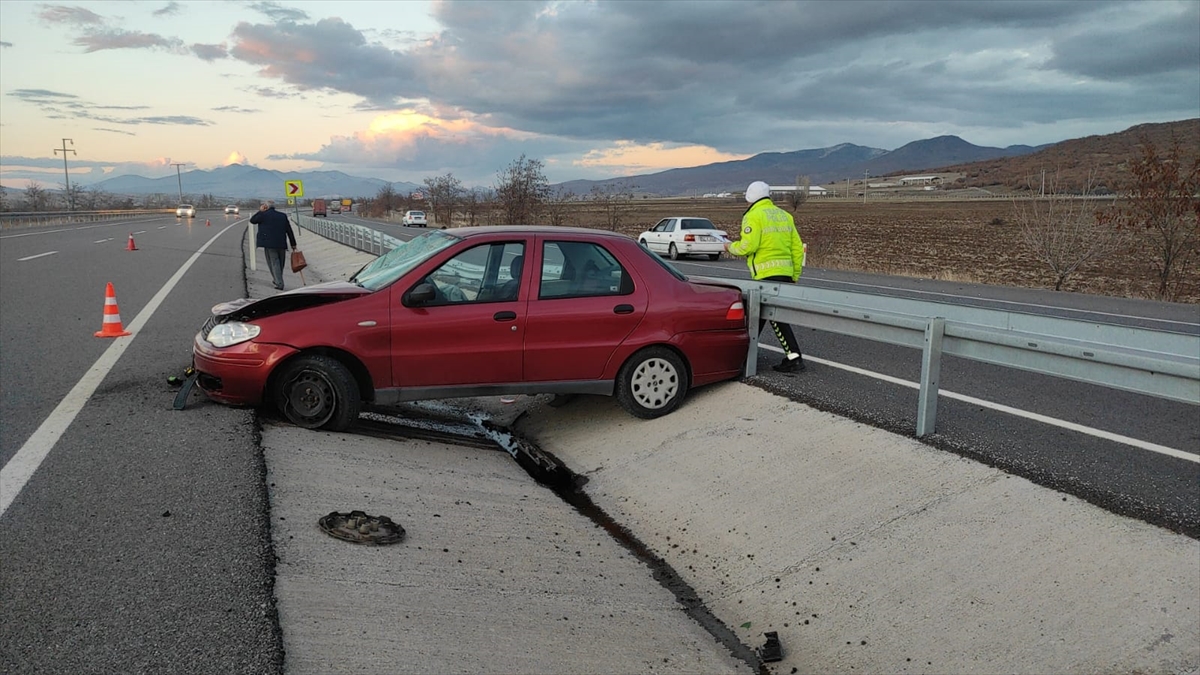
column 623, row 309
column 505, row 316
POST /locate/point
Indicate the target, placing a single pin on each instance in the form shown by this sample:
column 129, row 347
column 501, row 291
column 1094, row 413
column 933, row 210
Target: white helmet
column 757, row 190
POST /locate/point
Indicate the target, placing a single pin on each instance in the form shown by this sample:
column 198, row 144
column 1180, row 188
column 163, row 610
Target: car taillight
column 689, row 237
column 736, row 312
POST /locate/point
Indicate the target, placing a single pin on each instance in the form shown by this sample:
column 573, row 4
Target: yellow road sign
column 293, row 188
column 291, row 201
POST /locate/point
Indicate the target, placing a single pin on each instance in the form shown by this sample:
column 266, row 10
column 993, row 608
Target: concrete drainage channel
column 445, row 423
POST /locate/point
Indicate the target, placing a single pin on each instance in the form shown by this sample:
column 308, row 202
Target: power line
column 179, row 179
column 67, row 174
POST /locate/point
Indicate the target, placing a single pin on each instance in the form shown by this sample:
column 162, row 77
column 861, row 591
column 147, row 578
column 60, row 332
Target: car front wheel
column 652, row 383
column 318, row 392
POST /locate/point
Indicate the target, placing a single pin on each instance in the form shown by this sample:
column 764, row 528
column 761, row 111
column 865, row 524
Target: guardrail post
column 753, row 301
column 931, row 370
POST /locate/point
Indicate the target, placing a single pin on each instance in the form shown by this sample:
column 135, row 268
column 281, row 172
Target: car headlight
column 232, row 333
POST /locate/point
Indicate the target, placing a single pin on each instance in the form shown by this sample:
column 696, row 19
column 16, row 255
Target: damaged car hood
column 248, row 309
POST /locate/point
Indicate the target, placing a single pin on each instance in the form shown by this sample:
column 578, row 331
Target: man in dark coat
column 274, row 233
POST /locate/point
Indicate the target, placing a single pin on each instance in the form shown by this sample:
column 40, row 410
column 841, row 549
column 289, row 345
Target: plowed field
column 971, row 241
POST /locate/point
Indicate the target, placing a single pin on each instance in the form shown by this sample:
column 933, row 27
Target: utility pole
column 866, row 174
column 67, row 174
column 178, row 178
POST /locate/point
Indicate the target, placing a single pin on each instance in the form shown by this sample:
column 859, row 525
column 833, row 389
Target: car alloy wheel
column 652, row 383
column 317, row 392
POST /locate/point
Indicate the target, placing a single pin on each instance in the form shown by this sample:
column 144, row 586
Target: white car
column 685, row 235
column 232, row 208
column 185, row 211
column 415, row 219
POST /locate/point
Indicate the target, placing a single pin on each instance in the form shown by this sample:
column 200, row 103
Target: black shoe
column 790, row 366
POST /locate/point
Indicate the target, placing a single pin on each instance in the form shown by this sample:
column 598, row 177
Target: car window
column 698, row 224
column 485, row 273
column 665, row 265
column 662, row 225
column 400, row 260
column 573, row 269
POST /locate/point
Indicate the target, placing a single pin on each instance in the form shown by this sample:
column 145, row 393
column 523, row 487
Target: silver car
column 185, row 211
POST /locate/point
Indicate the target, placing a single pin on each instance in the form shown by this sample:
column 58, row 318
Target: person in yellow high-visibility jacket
column 773, row 252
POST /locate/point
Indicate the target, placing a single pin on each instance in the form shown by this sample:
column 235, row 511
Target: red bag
column 298, row 261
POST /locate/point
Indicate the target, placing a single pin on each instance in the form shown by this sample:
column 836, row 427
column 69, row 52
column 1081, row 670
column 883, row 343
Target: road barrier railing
column 359, row 237
column 1146, row 361
column 1154, row 362
column 14, row 219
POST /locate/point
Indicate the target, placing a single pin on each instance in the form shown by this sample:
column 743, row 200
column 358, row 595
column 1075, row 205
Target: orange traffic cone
column 112, row 316
column 132, row 246
column 207, row 222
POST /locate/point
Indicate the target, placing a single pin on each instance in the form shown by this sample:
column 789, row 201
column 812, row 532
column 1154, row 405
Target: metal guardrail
column 1141, row 360
column 14, row 219
column 355, row 236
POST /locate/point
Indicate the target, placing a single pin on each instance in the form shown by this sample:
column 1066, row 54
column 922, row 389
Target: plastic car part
column 652, row 383
column 772, row 650
column 318, row 392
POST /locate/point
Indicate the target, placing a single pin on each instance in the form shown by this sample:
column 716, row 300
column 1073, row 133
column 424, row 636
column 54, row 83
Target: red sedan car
column 478, row 311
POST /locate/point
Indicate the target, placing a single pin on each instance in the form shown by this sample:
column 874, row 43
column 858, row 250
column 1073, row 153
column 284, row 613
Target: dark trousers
column 783, row 331
column 275, row 258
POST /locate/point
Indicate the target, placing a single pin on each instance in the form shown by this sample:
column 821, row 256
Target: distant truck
column 335, row 204
column 319, row 208
column 347, row 204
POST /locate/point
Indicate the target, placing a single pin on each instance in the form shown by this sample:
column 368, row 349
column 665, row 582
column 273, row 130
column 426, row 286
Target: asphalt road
column 141, row 543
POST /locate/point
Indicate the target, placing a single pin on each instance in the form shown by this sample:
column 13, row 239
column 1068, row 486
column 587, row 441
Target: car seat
column 511, row 287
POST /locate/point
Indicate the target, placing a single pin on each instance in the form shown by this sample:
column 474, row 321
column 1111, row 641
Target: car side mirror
column 420, row 294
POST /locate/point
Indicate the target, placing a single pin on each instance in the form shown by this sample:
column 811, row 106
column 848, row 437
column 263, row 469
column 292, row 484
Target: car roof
column 480, row 230
column 685, row 218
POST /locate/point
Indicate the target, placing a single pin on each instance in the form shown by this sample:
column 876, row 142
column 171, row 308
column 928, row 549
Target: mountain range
column 241, row 181
column 1093, row 157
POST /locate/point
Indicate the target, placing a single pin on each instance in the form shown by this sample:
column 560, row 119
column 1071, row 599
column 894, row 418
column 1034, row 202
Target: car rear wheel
column 318, row 392
column 714, row 256
column 652, row 383
column 673, row 252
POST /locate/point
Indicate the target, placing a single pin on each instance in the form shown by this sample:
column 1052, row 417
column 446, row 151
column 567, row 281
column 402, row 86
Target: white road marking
column 17, row 472
column 162, row 227
column 65, row 229
column 1012, row 302
column 1016, row 412
column 979, row 298
column 140, row 232
column 101, row 241
column 40, row 255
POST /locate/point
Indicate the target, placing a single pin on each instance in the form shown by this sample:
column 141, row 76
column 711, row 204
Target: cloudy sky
column 595, row 89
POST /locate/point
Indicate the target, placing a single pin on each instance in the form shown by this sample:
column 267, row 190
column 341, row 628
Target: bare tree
column 1064, row 231
column 385, row 201
column 1162, row 205
column 92, row 199
column 558, row 205
column 801, row 193
column 72, row 194
column 521, row 190
column 475, row 205
column 36, row 197
column 614, row 200
column 443, row 193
